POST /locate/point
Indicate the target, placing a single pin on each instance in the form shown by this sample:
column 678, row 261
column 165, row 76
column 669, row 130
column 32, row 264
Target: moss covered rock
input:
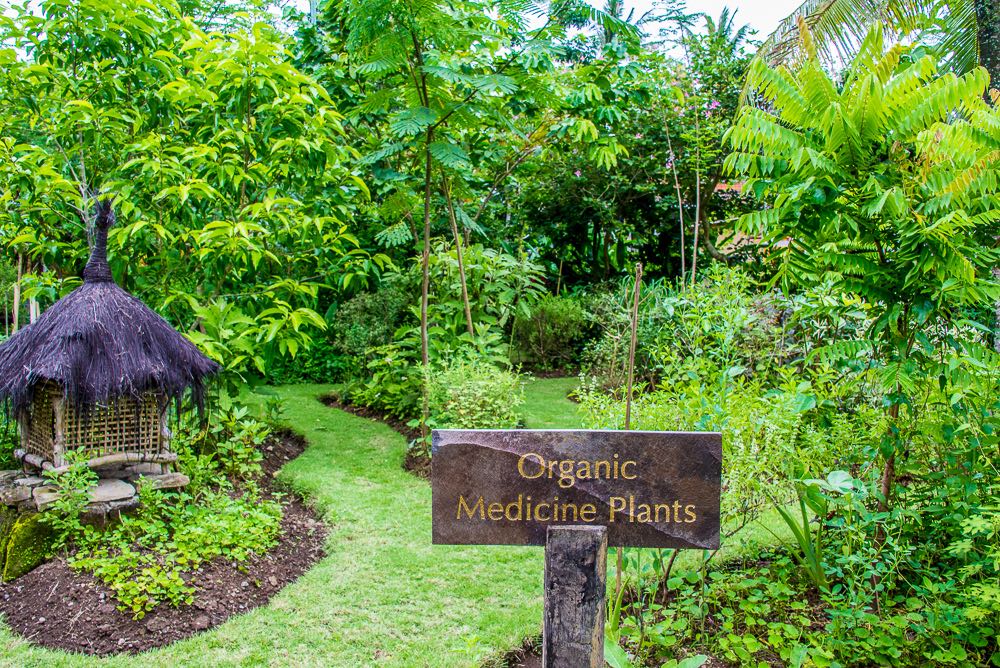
column 8, row 516
column 27, row 547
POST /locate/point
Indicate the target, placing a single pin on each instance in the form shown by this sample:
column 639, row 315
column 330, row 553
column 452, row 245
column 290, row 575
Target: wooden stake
column 619, row 554
column 632, row 345
column 575, row 592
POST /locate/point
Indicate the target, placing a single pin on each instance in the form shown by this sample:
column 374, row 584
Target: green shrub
column 769, row 437
column 321, row 362
column 472, row 394
column 144, row 558
column 723, row 324
column 369, row 320
column 551, row 335
column 394, row 386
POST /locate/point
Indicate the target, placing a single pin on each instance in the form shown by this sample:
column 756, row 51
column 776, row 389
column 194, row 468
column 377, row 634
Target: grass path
column 546, row 405
column 384, row 596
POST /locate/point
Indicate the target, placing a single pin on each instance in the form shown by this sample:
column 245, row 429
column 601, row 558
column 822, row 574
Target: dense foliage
column 227, row 166
column 425, row 201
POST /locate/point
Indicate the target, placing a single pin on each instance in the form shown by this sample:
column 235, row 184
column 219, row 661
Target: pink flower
column 714, row 104
column 577, row 173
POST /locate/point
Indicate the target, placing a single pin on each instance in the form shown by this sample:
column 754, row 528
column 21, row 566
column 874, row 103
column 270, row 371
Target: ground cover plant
column 144, row 558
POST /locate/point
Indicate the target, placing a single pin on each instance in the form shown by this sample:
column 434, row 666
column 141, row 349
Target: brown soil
column 57, row 607
column 417, row 462
column 528, row 655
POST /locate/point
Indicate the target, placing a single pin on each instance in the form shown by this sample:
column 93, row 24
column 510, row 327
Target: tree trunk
column 425, row 267
column 988, row 37
column 680, row 207
column 697, row 223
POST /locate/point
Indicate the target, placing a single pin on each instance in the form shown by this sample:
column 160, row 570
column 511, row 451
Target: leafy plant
column 73, row 487
column 809, row 542
column 144, row 559
column 886, row 184
column 227, row 164
column 551, row 336
column 473, row 394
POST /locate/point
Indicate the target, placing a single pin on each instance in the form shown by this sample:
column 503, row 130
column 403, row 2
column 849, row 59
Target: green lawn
column 384, row 596
column 546, row 405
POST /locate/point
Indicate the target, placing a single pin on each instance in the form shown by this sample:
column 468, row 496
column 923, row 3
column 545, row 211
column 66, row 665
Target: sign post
column 576, row 492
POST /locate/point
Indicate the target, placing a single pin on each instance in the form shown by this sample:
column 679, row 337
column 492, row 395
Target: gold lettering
column 665, row 507
column 538, row 459
column 677, row 511
column 616, row 505
column 515, row 515
column 538, row 512
column 566, row 473
column 588, row 512
column 583, row 471
column 624, row 473
column 607, row 469
column 495, row 511
column 689, row 511
column 470, row 511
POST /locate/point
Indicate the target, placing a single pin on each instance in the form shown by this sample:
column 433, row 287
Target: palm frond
column 839, row 28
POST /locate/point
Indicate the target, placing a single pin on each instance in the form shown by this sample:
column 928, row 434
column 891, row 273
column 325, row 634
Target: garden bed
column 58, row 607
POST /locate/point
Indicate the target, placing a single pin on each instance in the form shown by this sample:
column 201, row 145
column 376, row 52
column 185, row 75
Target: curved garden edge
column 78, row 613
column 352, row 608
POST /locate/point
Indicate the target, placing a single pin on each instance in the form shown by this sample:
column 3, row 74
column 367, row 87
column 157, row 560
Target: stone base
column 116, row 490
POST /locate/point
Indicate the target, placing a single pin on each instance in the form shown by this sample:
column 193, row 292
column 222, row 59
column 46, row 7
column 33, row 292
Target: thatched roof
column 99, row 343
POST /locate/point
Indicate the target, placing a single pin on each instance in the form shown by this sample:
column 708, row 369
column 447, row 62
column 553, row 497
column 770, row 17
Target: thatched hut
column 97, row 372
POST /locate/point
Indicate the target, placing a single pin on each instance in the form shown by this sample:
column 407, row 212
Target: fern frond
column 841, row 351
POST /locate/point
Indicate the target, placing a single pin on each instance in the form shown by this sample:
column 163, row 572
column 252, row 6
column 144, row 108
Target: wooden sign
column 506, row 487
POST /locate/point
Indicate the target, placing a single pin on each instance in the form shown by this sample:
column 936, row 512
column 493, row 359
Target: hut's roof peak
column 98, row 270
column 99, row 344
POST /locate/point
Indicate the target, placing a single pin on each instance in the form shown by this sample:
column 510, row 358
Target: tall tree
column 967, row 33
column 887, row 185
column 447, row 98
column 228, row 166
